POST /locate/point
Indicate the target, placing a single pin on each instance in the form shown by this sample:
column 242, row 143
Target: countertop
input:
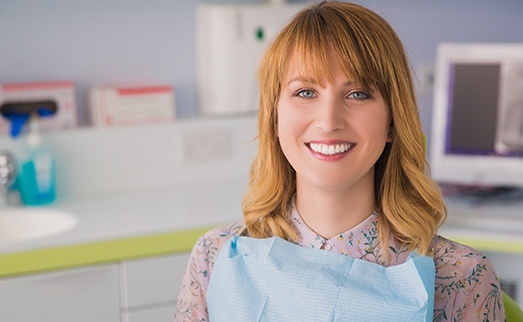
column 128, row 226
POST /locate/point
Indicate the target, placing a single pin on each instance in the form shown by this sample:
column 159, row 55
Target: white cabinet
column 148, row 315
column 79, row 295
column 150, row 287
column 141, row 290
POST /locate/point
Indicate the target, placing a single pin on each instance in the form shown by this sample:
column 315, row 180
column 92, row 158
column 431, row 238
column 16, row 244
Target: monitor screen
column 477, row 122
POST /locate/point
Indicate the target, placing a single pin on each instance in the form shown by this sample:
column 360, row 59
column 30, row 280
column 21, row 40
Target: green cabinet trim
column 490, row 245
column 62, row 257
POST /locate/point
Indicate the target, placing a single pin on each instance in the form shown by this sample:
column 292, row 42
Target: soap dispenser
column 36, row 172
column 36, row 180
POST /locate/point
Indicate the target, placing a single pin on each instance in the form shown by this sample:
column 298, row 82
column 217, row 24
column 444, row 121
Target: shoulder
column 466, row 283
column 221, row 234
column 446, row 250
column 460, row 268
column 209, row 244
column 191, row 304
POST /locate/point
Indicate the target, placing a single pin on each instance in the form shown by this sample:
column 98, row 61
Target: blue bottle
column 36, row 178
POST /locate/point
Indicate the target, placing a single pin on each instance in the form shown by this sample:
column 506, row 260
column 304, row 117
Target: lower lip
column 325, row 157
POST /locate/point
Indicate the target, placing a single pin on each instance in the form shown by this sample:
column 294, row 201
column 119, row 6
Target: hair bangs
column 353, row 46
column 322, row 36
column 309, row 51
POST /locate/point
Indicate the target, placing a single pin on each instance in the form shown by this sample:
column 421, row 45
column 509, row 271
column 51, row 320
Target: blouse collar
column 356, row 242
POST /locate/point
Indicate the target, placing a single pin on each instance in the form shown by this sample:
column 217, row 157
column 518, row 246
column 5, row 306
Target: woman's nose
column 329, row 116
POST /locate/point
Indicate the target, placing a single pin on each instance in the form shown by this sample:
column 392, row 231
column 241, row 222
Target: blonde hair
column 409, row 204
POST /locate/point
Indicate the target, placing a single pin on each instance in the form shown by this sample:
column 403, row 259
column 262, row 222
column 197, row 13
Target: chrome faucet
column 7, row 174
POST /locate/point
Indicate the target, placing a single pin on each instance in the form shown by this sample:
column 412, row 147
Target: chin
column 336, row 181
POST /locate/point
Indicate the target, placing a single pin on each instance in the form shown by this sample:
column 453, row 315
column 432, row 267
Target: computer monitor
column 477, row 121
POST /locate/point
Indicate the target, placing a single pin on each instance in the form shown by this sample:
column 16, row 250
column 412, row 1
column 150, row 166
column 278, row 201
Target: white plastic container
column 231, row 39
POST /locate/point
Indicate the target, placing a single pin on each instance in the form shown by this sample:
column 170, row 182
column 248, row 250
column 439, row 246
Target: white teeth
column 330, row 149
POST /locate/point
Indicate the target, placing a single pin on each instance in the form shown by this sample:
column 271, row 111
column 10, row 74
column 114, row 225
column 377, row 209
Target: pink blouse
column 467, row 288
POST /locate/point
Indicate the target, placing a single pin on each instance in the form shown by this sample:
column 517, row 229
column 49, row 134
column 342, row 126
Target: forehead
column 321, row 68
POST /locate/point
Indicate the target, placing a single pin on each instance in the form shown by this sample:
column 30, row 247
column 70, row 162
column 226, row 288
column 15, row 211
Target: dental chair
column 512, row 311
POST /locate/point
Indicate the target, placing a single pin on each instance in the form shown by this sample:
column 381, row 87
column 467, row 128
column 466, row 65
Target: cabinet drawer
column 152, row 280
column 165, row 314
column 79, row 295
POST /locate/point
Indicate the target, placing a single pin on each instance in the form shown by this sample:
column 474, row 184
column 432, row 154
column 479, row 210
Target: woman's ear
column 390, row 136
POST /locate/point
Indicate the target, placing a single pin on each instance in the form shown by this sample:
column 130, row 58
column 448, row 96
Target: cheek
column 285, row 130
column 375, row 125
column 278, row 122
column 284, row 120
column 383, row 123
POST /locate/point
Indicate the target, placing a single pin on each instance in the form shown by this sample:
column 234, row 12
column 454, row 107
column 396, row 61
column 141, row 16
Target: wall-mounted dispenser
column 62, row 93
column 230, row 41
column 19, row 113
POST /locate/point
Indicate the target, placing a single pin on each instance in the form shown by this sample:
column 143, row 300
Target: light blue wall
column 94, row 42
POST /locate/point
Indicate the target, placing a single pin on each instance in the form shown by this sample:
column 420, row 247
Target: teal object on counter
column 36, row 181
column 36, row 173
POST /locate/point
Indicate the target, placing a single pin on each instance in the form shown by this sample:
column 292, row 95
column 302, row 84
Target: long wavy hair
column 409, row 204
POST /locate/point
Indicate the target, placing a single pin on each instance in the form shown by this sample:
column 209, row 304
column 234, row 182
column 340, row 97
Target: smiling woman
column 341, row 214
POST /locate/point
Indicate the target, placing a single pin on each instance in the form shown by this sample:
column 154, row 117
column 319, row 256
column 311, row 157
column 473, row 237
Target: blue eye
column 358, row 95
column 305, row 93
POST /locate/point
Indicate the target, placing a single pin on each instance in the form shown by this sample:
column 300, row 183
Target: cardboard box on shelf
column 131, row 105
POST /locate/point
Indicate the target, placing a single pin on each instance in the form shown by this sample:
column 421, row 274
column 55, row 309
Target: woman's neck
column 330, row 213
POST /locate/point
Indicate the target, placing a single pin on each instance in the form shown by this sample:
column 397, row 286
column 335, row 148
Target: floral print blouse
column 466, row 288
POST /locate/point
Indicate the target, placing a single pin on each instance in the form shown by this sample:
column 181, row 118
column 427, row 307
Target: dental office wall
column 98, row 42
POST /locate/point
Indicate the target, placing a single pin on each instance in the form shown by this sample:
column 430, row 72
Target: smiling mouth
column 330, row 149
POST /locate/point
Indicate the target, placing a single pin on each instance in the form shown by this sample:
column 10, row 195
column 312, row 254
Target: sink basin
column 27, row 223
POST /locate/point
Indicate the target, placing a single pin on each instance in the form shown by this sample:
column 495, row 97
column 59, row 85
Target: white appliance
column 477, row 128
column 231, row 39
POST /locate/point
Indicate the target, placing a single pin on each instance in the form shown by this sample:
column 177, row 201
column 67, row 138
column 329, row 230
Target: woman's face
column 333, row 135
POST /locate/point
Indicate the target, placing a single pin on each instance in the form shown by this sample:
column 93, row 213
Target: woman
column 341, row 167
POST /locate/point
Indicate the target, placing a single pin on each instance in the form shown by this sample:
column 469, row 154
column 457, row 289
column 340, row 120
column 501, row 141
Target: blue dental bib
column 275, row 280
